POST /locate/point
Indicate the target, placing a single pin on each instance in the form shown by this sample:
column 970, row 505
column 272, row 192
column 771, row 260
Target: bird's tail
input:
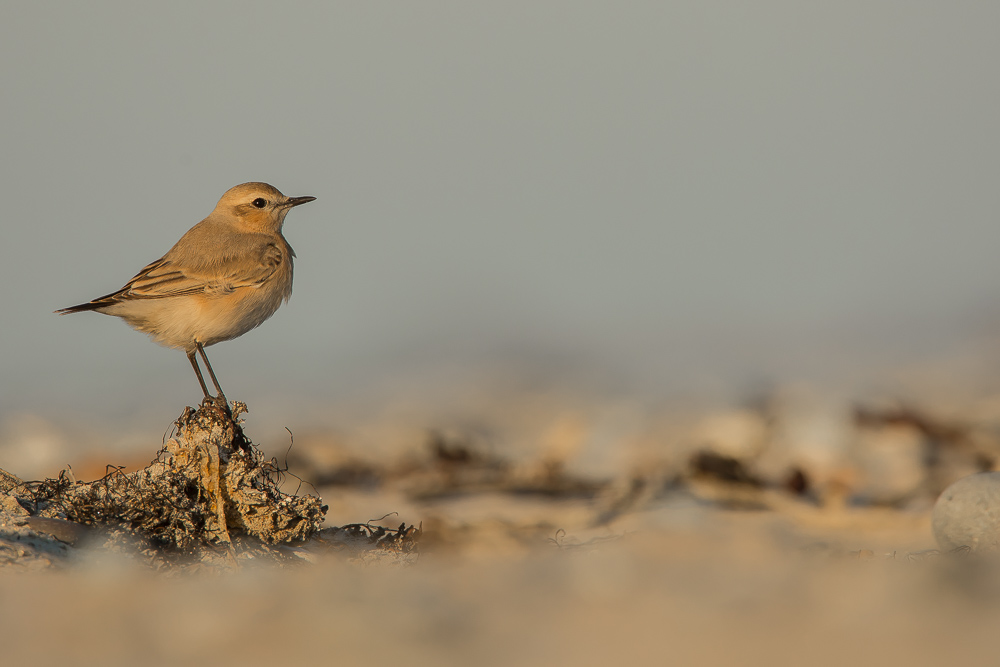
column 83, row 307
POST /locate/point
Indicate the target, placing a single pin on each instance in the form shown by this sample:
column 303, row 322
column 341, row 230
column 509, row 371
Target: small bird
column 226, row 275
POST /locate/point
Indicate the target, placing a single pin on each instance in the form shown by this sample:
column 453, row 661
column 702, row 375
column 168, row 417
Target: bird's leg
column 215, row 380
column 197, row 371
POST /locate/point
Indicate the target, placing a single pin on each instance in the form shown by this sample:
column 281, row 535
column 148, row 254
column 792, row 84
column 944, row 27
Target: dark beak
column 295, row 201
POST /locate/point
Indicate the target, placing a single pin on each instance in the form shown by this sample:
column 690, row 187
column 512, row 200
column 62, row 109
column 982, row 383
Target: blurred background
column 637, row 204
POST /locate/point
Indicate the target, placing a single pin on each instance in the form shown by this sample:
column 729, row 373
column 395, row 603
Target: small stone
column 10, row 506
column 967, row 514
column 64, row 531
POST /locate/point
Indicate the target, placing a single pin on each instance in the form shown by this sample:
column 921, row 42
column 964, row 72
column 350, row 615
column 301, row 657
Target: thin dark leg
column 215, row 380
column 197, row 371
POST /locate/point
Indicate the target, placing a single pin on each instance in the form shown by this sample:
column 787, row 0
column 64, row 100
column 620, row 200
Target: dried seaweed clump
column 208, row 486
column 370, row 542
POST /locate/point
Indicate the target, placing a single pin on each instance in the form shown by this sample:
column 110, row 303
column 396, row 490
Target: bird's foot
column 219, row 403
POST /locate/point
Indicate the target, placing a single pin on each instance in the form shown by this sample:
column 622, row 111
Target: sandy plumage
column 224, row 277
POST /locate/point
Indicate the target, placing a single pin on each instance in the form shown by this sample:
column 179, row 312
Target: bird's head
column 258, row 206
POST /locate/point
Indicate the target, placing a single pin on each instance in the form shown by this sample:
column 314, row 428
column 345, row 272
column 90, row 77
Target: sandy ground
column 682, row 583
column 526, row 562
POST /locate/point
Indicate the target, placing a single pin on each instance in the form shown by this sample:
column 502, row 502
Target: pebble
column 967, row 514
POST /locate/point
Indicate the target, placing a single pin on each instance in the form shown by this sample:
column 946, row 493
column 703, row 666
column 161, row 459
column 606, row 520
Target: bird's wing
column 168, row 277
column 160, row 279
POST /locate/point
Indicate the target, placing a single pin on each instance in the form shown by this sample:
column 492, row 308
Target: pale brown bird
column 226, row 275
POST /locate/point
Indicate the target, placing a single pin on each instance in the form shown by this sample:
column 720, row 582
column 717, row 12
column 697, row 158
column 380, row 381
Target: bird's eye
column 260, row 203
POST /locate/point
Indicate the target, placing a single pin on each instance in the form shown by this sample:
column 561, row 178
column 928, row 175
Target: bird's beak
column 295, row 201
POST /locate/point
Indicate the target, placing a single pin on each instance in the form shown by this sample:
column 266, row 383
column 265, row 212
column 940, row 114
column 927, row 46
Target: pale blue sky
column 642, row 194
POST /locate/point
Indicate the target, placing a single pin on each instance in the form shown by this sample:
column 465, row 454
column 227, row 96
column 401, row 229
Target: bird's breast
column 232, row 314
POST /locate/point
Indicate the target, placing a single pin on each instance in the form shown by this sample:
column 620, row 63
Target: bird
column 225, row 276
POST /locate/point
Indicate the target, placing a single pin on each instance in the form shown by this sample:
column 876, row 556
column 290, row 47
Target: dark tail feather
column 92, row 305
